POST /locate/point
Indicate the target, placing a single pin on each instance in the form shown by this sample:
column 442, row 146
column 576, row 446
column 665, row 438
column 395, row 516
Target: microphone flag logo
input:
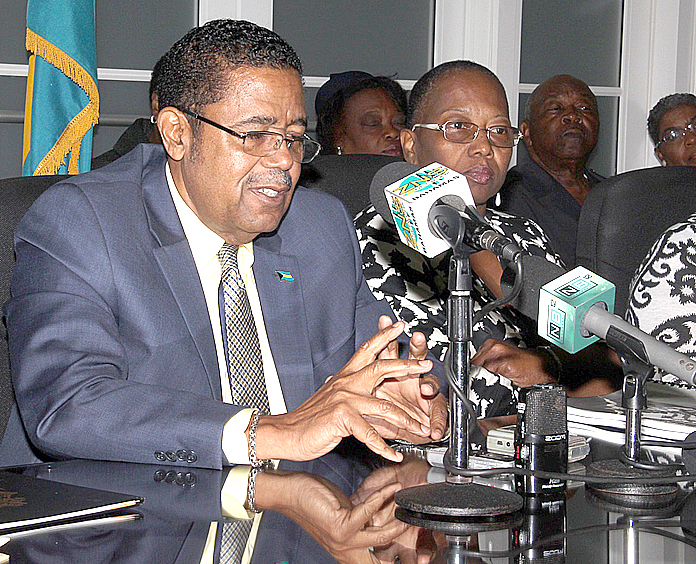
column 420, row 180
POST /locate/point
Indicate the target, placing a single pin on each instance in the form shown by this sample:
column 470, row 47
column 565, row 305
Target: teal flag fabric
column 62, row 104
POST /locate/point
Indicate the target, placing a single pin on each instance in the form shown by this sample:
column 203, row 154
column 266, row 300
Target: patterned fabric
column 416, row 289
column 245, row 370
column 663, row 292
column 244, row 364
column 233, row 540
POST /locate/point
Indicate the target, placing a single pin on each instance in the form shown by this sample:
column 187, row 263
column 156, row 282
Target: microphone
column 541, row 439
column 542, row 520
column 432, row 209
column 410, row 199
column 573, row 310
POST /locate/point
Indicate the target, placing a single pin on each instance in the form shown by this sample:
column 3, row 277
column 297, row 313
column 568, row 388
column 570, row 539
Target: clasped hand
column 361, row 528
column 523, row 367
column 375, row 396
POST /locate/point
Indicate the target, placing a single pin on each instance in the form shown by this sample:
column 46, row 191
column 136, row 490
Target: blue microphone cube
column 563, row 303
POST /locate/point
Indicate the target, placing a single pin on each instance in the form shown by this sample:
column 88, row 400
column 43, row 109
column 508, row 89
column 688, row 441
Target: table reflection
column 340, row 508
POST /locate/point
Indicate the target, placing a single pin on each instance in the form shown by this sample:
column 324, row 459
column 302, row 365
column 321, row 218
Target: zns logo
column 403, row 224
column 420, row 180
column 556, row 324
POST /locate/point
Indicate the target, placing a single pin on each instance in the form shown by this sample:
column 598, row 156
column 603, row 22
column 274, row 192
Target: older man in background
column 560, row 131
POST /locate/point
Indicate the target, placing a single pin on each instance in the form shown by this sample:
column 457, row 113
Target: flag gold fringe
column 70, row 139
column 28, row 104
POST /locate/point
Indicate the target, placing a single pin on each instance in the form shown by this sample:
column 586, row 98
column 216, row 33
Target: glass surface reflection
column 341, row 508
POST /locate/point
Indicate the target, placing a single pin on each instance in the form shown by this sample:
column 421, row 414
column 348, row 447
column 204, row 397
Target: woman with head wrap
column 360, row 113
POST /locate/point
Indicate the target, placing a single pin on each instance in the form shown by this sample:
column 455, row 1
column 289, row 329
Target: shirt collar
column 204, row 242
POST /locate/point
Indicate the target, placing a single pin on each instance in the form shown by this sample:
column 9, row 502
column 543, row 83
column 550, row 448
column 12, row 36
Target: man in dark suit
column 116, row 342
column 560, row 131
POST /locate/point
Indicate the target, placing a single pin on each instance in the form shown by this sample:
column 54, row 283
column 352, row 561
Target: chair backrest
column 625, row 214
column 347, row 177
column 16, row 196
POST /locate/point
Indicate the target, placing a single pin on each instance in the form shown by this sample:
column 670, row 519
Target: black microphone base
column 460, row 526
column 458, row 500
column 630, row 494
column 660, row 512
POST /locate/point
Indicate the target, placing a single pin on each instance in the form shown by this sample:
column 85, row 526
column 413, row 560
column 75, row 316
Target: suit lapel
column 176, row 261
column 279, row 283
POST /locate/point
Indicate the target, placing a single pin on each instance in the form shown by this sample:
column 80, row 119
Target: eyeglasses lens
column 674, row 134
column 463, row 132
column 266, row 143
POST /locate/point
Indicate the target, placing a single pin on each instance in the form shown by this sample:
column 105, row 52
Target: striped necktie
column 244, row 365
column 245, row 370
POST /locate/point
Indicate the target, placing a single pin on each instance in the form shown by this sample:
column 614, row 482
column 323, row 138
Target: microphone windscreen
column 393, row 172
column 455, row 201
column 460, row 205
column 546, row 411
column 537, row 271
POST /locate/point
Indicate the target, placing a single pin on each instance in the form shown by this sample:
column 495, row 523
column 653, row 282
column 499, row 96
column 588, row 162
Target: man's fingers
column 429, row 386
column 373, row 347
column 391, row 417
column 380, row 536
column 378, row 511
column 392, row 348
column 385, row 415
column 487, row 351
column 368, row 435
column 382, row 370
column 438, row 418
column 385, row 514
column 377, row 480
column 365, row 510
column 391, row 431
column 418, row 346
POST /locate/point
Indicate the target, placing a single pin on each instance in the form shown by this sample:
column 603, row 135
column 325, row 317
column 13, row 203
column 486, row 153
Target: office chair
column 347, row 177
column 624, row 215
column 16, row 196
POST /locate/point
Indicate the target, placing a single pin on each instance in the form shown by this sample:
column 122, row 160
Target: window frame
column 658, row 55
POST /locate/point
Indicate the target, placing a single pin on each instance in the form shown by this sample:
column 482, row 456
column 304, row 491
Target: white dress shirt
column 205, row 245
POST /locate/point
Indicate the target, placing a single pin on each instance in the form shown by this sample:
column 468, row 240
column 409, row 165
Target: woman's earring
column 339, row 151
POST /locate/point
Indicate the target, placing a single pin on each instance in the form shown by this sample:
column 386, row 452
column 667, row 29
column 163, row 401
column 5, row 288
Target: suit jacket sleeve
column 103, row 366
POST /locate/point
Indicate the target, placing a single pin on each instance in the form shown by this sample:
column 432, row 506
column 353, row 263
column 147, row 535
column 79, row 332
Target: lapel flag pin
column 285, row 276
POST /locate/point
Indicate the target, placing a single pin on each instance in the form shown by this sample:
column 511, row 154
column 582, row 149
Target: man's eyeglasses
column 676, row 133
column 504, row 136
column 266, row 143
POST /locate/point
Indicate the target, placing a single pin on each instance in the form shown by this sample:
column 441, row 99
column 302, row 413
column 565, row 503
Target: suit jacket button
column 159, row 455
column 181, row 454
column 171, row 455
column 192, row 457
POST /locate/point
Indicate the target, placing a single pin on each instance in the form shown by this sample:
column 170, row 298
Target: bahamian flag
column 62, row 103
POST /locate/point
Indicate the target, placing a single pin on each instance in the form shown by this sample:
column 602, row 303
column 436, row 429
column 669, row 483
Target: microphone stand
column 458, row 496
column 459, row 332
column 634, row 399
